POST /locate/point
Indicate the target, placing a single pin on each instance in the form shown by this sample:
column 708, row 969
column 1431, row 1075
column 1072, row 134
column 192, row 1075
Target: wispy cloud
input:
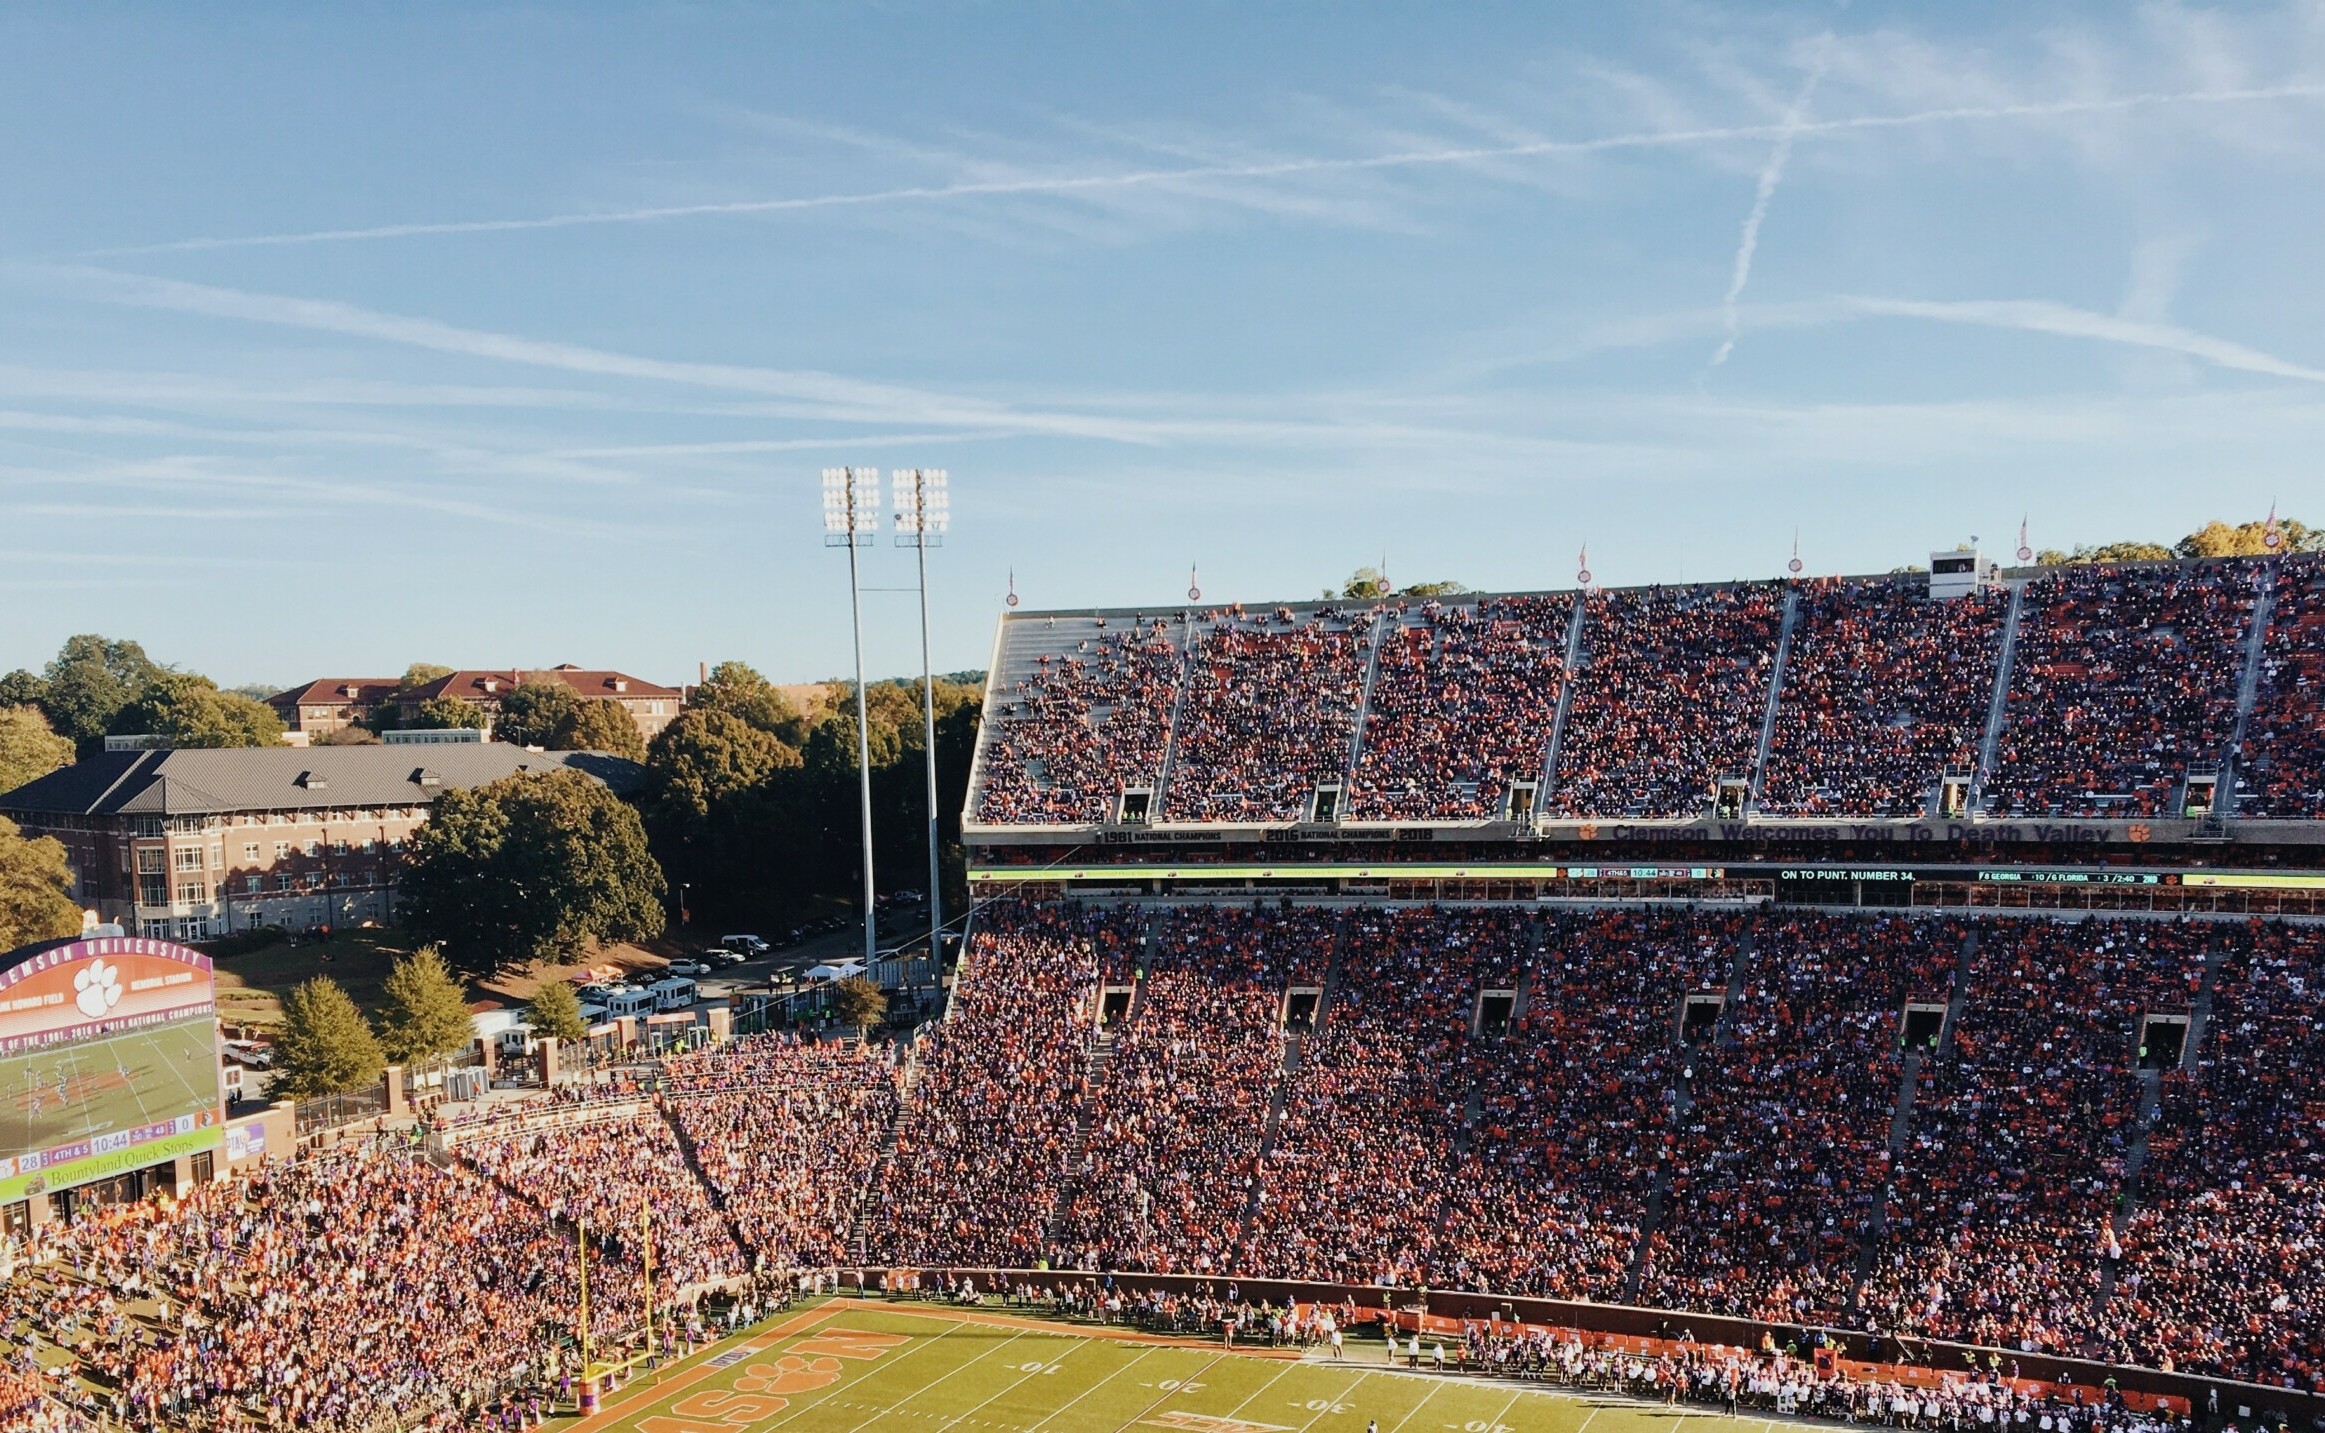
column 1784, row 131
column 1771, row 174
column 2066, row 321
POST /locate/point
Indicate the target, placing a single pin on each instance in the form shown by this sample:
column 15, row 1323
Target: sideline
column 648, row 1390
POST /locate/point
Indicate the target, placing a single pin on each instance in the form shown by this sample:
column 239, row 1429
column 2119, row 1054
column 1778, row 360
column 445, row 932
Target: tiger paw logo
column 1586, row 832
column 788, row 1374
column 97, row 989
column 2139, row 831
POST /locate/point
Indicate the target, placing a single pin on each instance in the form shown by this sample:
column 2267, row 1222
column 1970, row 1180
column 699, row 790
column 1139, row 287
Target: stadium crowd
column 2280, row 773
column 1065, row 740
column 1885, row 691
column 1604, row 1145
column 1668, row 699
column 2124, row 680
column 1462, row 705
column 1270, row 714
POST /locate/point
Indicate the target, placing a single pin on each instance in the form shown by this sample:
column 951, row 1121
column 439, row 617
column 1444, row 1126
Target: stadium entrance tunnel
column 2163, row 1042
column 1923, row 1025
column 1699, row 1017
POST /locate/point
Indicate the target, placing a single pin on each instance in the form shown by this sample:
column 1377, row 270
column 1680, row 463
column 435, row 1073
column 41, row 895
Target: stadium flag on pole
column 2270, row 537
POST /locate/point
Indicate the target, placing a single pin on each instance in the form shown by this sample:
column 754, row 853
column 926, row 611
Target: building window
column 149, row 861
column 192, row 893
column 153, row 890
column 285, row 882
column 250, row 850
column 253, row 884
column 369, row 845
column 312, row 848
column 282, row 850
column 189, row 858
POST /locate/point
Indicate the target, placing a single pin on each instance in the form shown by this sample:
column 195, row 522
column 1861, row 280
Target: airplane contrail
column 1771, row 174
column 1277, row 169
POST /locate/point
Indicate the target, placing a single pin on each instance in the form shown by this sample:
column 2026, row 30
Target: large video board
column 108, row 1062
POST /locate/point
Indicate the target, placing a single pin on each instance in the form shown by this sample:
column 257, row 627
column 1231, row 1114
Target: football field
column 845, row 1366
column 91, row 1087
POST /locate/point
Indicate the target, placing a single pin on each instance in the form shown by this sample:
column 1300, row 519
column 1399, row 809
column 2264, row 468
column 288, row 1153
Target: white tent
column 835, row 970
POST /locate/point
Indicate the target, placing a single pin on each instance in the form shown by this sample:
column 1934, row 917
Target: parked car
column 687, row 967
column 747, row 945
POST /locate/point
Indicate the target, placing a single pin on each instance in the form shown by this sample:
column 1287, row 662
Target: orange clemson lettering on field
column 851, row 1343
column 788, row 1374
column 733, row 1407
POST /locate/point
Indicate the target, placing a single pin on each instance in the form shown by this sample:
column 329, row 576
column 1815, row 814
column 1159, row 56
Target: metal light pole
column 923, row 511
column 851, row 518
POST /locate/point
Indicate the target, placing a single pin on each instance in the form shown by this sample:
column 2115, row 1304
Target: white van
column 625, row 1000
column 674, row 993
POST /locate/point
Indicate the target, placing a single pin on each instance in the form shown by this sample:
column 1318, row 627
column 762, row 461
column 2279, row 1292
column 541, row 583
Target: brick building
column 187, row 845
column 331, row 703
column 649, row 704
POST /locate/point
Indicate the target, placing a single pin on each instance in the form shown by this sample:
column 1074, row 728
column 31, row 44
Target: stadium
column 1893, row 999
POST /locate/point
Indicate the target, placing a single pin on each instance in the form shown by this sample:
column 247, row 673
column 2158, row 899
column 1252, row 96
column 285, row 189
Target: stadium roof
column 171, row 783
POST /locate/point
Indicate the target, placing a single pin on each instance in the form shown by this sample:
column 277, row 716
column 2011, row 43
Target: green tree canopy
column 425, row 1014
column 419, row 674
column 192, row 712
column 534, row 711
column 598, row 725
column 446, row 713
column 1438, row 589
column 348, row 736
column 325, row 1048
column 2219, row 539
column 28, row 749
column 21, row 688
column 530, row 867
column 555, row 1011
column 737, row 689
column 1368, row 583
column 858, row 1002
column 35, row 890
column 91, row 679
column 708, row 755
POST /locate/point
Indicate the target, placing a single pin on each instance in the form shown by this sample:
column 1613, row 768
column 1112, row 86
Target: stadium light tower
column 851, row 519
column 924, row 509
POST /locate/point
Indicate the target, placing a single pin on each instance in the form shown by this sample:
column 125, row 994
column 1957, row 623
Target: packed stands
column 1166, row 1167
column 1462, row 704
column 2124, row 680
column 1885, row 691
column 2280, row 773
column 2000, row 1214
column 1575, row 1104
column 2223, row 1271
column 1270, row 714
column 784, row 1132
column 984, row 1137
column 1784, row 1151
column 1064, row 739
column 1356, row 1183
column 1668, row 699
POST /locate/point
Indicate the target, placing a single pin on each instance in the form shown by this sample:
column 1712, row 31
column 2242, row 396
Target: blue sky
column 338, row 337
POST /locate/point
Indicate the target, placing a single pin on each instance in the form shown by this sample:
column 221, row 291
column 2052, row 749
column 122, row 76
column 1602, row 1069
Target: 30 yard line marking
column 1093, row 1388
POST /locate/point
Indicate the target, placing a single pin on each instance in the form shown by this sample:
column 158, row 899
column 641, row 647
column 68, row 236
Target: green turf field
column 91, row 1087
column 845, row 1366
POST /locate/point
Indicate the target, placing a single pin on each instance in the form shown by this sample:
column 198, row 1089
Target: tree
column 28, row 749
column 348, row 736
column 2108, row 552
column 708, row 755
column 192, row 712
column 598, row 725
column 425, row 1016
column 1363, row 585
column 555, row 1011
column 36, row 885
column 90, row 681
column 534, row 711
column 2218, row 539
column 530, row 867
column 325, row 1048
column 447, row 713
column 1438, row 589
column 21, row 688
column 419, row 674
column 738, row 690
column 858, row 1002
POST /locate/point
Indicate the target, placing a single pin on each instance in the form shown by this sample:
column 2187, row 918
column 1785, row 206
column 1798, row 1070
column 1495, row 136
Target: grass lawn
column 251, row 985
column 847, row 1366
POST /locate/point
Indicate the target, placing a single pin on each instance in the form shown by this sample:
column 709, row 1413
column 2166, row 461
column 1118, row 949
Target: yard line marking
column 1093, row 1388
column 1432, row 1393
column 867, row 1371
column 1246, row 1403
column 1022, row 1379
column 940, row 1378
column 1335, row 1400
column 1171, row 1393
column 648, row 1394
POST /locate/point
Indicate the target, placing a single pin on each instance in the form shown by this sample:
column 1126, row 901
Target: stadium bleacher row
column 2117, row 685
column 2100, row 1138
